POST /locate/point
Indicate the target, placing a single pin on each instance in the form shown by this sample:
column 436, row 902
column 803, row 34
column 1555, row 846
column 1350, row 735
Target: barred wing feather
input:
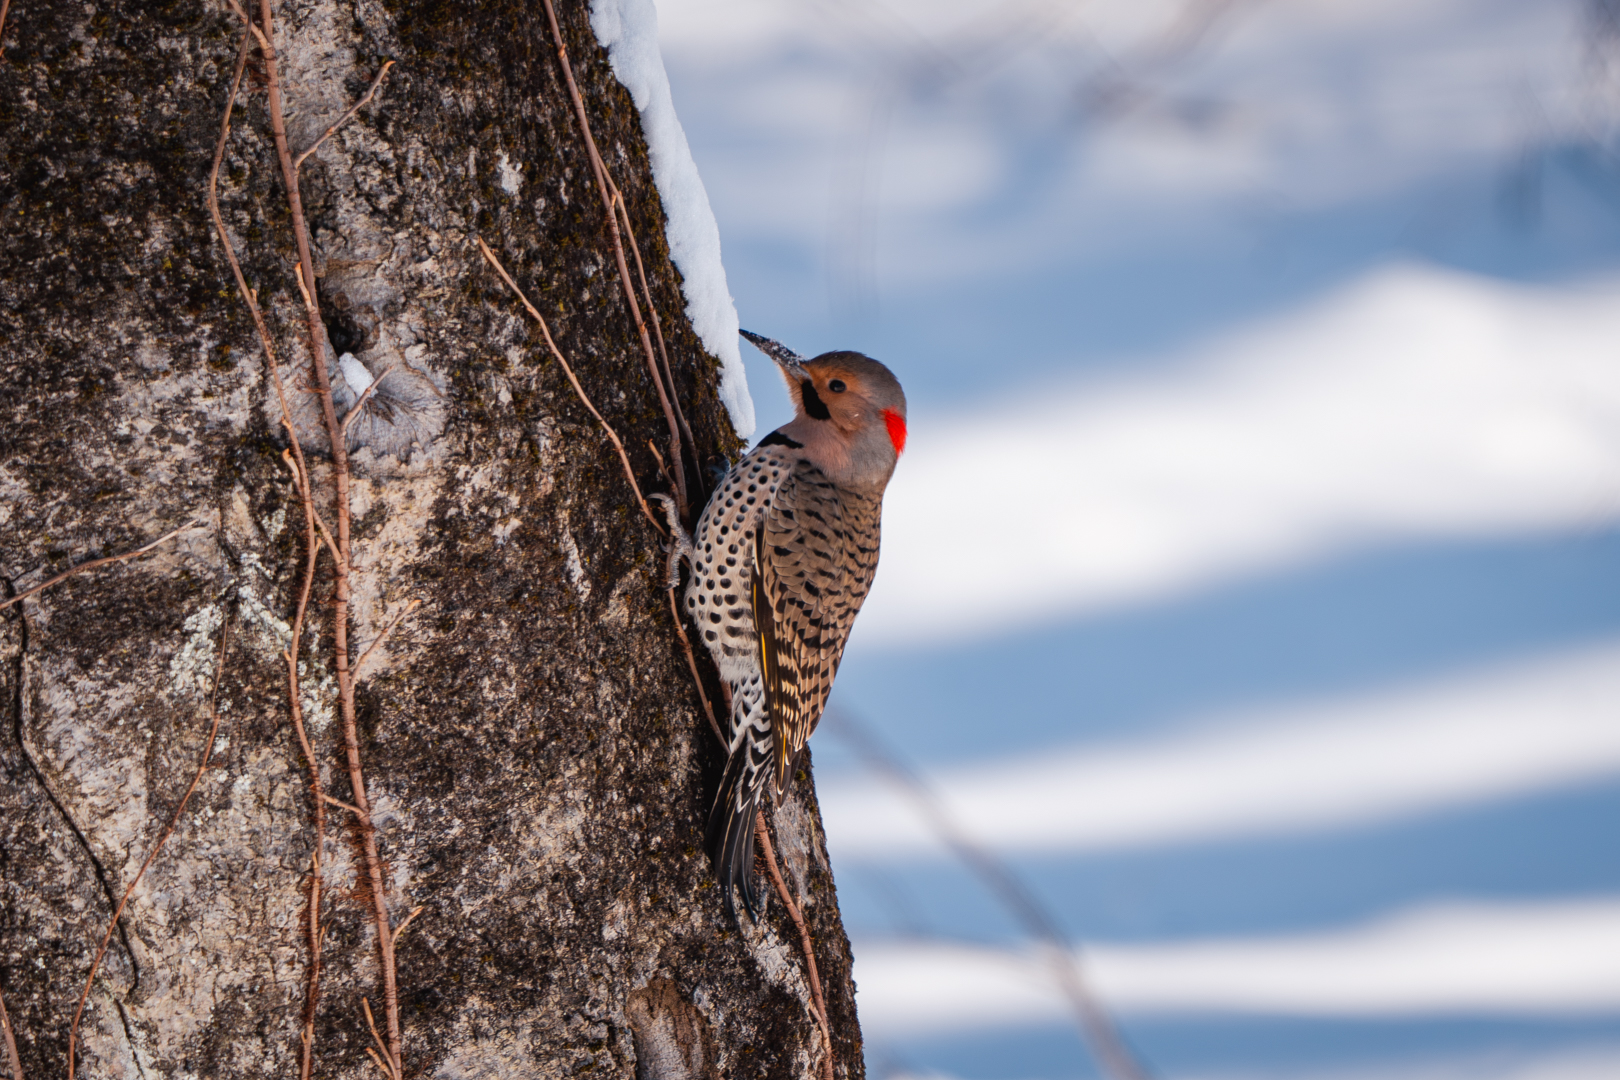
column 815, row 555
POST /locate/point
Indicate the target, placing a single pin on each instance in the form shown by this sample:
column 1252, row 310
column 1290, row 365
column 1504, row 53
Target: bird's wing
column 815, row 555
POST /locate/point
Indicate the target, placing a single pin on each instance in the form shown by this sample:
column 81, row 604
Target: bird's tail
column 748, row 771
column 731, row 830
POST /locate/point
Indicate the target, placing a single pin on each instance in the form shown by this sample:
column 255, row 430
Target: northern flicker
column 782, row 558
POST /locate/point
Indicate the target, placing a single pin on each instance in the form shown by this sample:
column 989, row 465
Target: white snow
column 355, row 373
column 1475, row 738
column 629, row 31
column 1552, row 957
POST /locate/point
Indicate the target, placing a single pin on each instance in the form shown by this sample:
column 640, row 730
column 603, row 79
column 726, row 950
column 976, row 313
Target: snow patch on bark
column 629, row 31
column 355, row 373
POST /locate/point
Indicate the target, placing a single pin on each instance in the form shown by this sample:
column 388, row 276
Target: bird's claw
column 680, row 545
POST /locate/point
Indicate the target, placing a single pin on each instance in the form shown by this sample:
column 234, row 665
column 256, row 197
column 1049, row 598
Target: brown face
column 854, row 391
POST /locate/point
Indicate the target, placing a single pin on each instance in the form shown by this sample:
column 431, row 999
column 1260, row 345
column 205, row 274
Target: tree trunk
column 537, row 765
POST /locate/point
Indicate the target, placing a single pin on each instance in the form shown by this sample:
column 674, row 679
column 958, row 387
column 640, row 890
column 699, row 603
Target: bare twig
column 93, row 563
column 174, row 819
column 603, row 185
column 545, row 331
column 312, row 914
column 5, row 1020
column 663, row 469
column 303, row 290
column 340, row 473
column 354, row 410
column 400, row 929
column 691, row 662
column 5, row 6
column 312, row 524
column 657, row 323
column 346, row 117
column 326, row 534
column 360, row 663
column 248, row 295
column 306, row 280
column 372, row 1024
column 258, row 34
column 300, row 477
column 1113, row 1055
column 340, row 804
column 763, row 836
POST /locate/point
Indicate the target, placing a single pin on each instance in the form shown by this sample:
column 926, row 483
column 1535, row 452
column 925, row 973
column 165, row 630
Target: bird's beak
column 791, row 363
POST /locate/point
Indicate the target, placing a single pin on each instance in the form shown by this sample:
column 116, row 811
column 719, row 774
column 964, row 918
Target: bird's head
column 849, row 412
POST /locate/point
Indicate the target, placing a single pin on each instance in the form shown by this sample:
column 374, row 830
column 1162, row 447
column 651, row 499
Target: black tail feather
column 731, row 837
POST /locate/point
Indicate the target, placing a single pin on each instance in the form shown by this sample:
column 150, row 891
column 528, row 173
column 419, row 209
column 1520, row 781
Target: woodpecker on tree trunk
column 782, row 558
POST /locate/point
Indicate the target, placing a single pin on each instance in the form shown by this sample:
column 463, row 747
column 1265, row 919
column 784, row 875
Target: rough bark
column 535, row 754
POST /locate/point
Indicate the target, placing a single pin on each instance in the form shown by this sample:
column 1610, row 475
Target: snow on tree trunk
column 537, row 763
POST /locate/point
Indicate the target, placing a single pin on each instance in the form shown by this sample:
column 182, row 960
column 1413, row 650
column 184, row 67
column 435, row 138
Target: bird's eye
column 836, row 386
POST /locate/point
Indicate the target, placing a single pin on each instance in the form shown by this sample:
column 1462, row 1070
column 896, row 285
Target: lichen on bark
column 536, row 759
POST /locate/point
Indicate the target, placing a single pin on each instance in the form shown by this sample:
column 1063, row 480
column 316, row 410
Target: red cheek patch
column 897, row 430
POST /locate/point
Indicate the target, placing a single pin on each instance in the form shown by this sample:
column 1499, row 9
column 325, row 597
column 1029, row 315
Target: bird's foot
column 680, row 545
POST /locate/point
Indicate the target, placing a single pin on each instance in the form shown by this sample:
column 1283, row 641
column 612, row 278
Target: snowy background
column 1284, row 335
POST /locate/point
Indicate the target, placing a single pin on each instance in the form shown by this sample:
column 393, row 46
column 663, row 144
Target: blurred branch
column 1097, row 1028
column 1123, row 84
column 913, row 64
column 1602, row 22
column 1601, row 38
column 916, row 64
